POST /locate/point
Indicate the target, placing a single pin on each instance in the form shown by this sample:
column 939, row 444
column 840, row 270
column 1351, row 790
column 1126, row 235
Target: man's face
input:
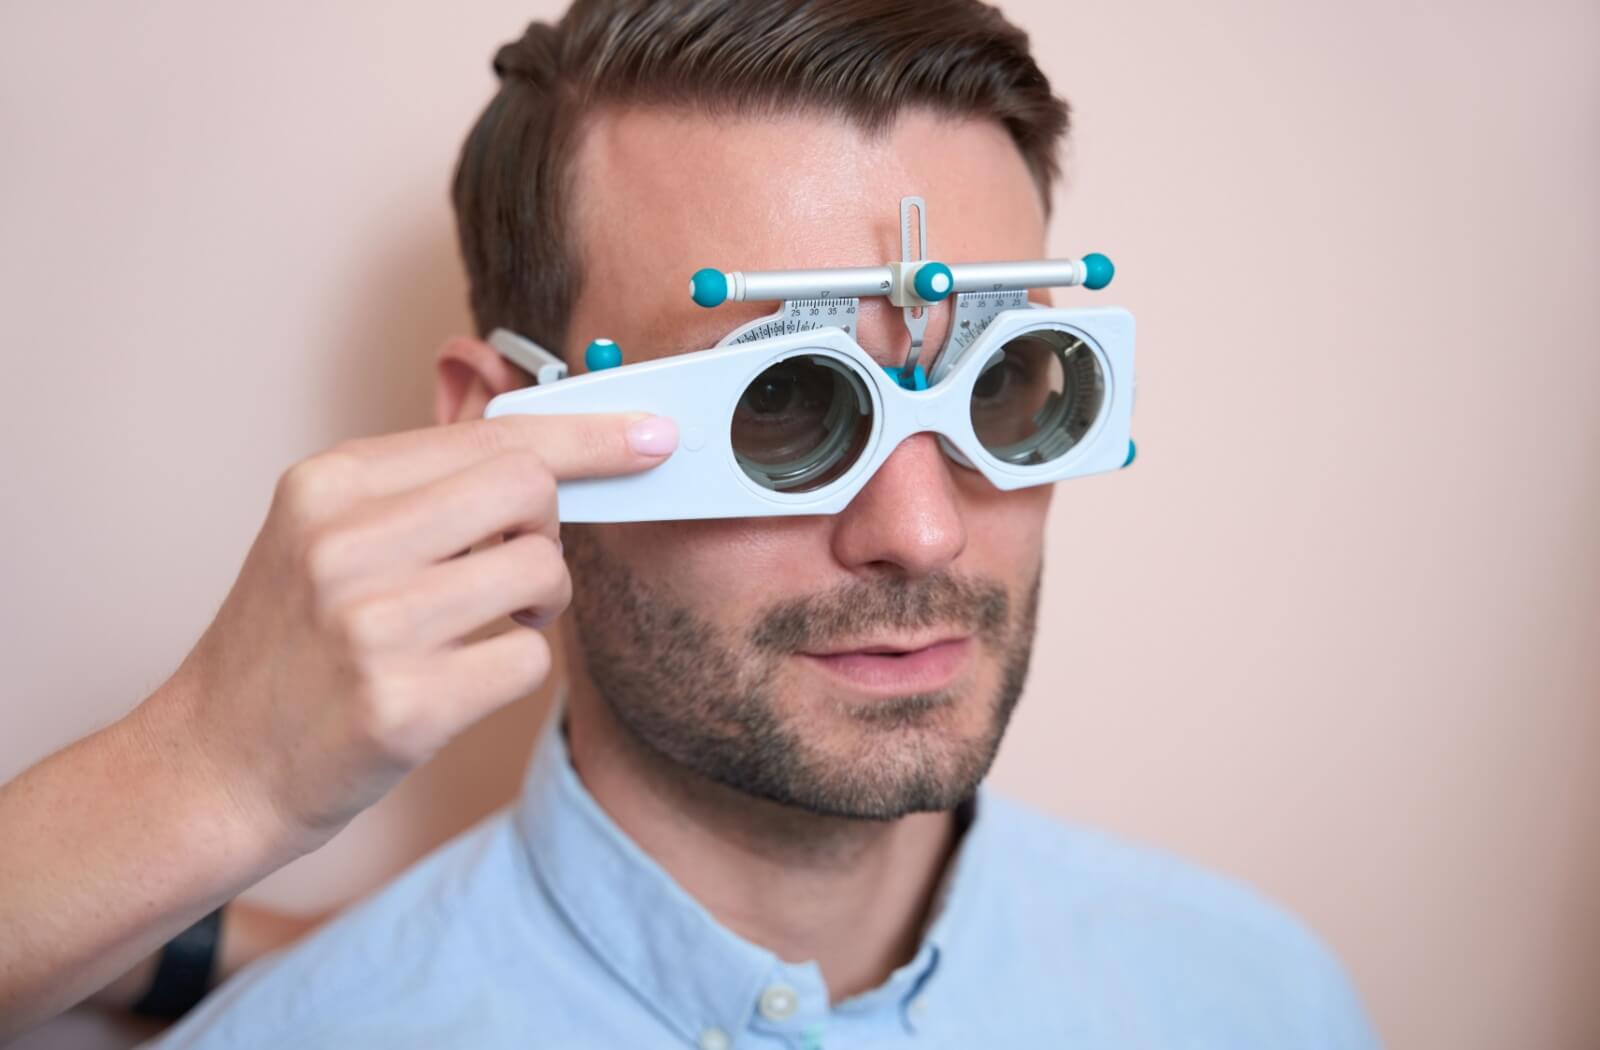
column 861, row 664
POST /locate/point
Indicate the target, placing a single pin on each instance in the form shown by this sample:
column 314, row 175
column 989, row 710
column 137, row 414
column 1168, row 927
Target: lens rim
column 851, row 369
column 1090, row 436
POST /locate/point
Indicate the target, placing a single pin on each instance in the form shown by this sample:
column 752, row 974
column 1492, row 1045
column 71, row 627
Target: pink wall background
column 1334, row 634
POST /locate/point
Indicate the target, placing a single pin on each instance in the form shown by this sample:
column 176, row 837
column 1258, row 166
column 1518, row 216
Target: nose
column 907, row 519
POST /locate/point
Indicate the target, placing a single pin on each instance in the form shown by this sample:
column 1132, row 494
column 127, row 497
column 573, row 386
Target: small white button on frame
column 714, row 1039
column 779, row 1002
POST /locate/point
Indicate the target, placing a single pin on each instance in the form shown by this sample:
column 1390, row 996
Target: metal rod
column 770, row 285
column 1016, row 276
column 865, row 281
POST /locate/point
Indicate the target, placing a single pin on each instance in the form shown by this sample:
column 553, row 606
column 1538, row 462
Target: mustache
column 850, row 609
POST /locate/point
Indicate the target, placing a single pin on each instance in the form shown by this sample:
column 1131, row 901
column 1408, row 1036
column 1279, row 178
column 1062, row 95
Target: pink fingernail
column 653, row 436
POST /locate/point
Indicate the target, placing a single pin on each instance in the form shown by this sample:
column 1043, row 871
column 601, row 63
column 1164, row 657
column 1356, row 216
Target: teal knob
column 1100, row 271
column 602, row 354
column 1133, row 453
column 933, row 281
column 709, row 287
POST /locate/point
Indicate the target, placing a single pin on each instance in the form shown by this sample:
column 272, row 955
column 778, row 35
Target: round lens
column 801, row 423
column 1037, row 396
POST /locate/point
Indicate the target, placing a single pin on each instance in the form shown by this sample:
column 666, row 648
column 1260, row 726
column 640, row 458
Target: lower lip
column 920, row 671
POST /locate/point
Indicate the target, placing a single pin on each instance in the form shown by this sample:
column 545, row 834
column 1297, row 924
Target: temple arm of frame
column 528, row 355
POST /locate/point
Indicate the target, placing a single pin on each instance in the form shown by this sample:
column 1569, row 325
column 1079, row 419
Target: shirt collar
column 667, row 948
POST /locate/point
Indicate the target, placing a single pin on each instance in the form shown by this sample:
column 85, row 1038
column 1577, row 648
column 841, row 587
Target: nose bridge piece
column 911, row 404
column 907, row 412
column 912, row 378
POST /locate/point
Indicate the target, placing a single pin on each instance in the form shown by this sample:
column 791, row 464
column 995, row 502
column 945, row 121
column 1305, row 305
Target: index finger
column 587, row 445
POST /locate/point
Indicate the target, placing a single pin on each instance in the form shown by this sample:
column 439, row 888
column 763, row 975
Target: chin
column 886, row 758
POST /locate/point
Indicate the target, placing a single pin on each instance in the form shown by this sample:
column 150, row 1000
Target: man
column 756, row 820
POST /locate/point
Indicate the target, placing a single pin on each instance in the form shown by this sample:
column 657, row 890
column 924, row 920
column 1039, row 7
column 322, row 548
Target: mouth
column 896, row 667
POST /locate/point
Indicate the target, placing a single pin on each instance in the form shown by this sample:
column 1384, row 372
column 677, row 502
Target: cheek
column 725, row 569
column 1005, row 530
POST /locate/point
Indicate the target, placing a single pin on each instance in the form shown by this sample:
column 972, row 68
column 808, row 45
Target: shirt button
column 779, row 1002
column 714, row 1039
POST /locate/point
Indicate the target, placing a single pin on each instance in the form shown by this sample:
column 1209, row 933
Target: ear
column 467, row 374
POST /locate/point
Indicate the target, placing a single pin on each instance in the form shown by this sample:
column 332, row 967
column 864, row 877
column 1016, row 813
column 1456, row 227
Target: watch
column 184, row 971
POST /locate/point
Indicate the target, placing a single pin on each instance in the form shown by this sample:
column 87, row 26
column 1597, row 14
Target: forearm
column 113, row 846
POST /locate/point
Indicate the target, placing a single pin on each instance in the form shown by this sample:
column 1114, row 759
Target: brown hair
column 862, row 60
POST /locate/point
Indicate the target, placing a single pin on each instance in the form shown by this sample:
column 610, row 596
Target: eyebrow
column 707, row 337
column 689, row 346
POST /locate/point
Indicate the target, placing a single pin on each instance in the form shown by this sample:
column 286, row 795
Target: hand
column 340, row 659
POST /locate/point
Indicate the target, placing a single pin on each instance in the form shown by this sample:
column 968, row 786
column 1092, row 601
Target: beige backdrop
column 1334, row 633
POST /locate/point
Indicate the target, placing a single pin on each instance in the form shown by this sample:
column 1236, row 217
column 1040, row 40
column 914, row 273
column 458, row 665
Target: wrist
column 226, row 805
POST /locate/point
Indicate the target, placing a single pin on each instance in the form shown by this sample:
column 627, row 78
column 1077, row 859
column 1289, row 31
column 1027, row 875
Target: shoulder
column 1167, row 933
column 1077, row 864
column 410, row 942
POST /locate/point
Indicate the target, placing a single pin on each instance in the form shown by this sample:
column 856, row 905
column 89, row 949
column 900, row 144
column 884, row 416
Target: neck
column 852, row 895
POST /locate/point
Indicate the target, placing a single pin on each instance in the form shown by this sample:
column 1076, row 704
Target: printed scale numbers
column 800, row 315
column 975, row 310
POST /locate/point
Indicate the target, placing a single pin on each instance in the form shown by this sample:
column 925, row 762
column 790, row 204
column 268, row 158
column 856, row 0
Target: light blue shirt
column 546, row 926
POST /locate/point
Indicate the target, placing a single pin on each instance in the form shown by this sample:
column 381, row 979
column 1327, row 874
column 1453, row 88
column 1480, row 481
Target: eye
column 1018, row 367
column 772, row 393
column 793, row 393
column 801, row 423
column 994, row 380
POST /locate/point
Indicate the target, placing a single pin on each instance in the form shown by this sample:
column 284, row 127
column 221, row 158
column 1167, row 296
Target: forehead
column 660, row 193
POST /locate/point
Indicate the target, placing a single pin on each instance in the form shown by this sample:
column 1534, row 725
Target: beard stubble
column 709, row 704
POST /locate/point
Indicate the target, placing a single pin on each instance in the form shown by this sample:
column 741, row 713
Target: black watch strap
column 183, row 974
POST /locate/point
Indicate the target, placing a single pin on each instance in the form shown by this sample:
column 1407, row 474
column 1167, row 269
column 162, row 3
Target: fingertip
column 653, row 436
